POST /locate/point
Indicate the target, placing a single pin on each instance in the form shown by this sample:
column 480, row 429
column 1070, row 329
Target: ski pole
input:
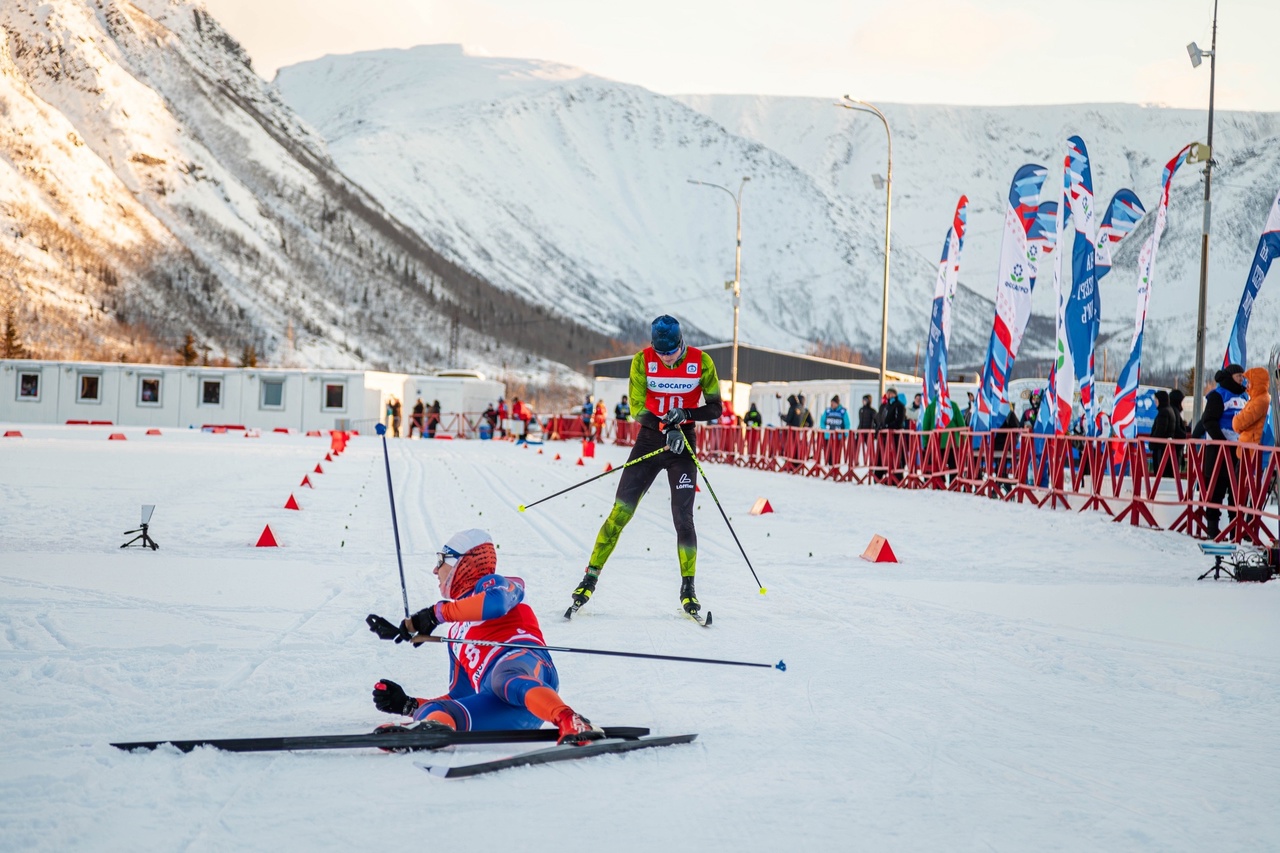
column 725, row 517
column 381, row 429
column 523, row 507
column 780, row 665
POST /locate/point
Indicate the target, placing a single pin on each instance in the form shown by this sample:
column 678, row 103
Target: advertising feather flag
column 1268, row 247
column 1124, row 406
column 935, row 373
column 1013, row 293
column 1081, row 305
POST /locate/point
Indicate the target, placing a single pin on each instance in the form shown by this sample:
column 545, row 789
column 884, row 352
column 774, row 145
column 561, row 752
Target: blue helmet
column 665, row 335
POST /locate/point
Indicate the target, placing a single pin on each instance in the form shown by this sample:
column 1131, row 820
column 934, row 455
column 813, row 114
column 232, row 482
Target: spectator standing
column 393, row 409
column 968, row 410
column 804, row 419
column 791, row 417
column 1180, row 430
column 893, row 413
column 433, row 418
column 416, row 420
column 521, row 415
column 490, row 417
column 1163, row 428
column 914, row 413
column 622, row 411
column 1221, row 405
column 1253, row 417
column 503, row 414
column 597, row 421
column 836, row 416
column 866, row 414
column 588, row 411
column 752, row 418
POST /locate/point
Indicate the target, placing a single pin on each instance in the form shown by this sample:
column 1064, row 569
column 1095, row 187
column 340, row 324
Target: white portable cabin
column 177, row 396
column 459, row 391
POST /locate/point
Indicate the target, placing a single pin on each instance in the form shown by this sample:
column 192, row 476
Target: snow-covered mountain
column 151, row 184
column 572, row 188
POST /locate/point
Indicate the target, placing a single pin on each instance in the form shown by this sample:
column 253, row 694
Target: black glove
column 675, row 440
column 385, row 630
column 424, row 621
column 675, row 417
column 391, row 698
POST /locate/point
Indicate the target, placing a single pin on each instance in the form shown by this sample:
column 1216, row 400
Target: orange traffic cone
column 762, row 506
column 267, row 539
column 879, row 551
column 291, row 503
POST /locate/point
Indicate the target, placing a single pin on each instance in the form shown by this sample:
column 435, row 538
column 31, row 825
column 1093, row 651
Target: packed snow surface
column 1021, row 680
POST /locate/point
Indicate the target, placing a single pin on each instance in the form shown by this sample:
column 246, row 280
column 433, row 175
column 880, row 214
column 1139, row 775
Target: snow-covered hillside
column 574, row 189
column 943, row 151
column 151, row 177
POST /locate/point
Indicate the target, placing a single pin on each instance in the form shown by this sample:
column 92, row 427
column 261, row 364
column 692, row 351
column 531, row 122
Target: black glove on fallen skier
column 422, row 623
column 385, row 630
column 390, row 698
column 675, row 440
column 675, row 417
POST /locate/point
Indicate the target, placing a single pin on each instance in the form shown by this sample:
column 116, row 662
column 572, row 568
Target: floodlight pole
column 863, row 106
column 737, row 278
column 1197, row 379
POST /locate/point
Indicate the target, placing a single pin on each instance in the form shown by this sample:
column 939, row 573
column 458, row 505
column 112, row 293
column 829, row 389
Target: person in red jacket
column 490, row 687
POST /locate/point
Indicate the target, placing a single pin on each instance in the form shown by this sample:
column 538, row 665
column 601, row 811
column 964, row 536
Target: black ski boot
column 582, row 594
column 689, row 598
column 424, row 726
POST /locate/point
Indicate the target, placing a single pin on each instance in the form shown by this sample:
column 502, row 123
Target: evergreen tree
column 249, row 356
column 11, row 344
column 188, row 350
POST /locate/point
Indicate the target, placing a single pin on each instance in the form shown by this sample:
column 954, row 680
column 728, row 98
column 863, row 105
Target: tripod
column 147, row 541
column 1217, row 569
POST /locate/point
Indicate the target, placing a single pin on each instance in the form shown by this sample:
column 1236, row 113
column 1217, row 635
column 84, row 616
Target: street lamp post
column 736, row 284
column 1197, row 379
column 863, row 106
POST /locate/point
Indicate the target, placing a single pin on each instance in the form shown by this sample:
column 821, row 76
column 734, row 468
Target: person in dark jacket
column 433, row 418
column 1220, row 407
column 893, row 413
column 866, row 415
column 803, row 418
column 1164, row 427
column 416, row 421
column 791, row 417
column 1180, row 430
column 752, row 418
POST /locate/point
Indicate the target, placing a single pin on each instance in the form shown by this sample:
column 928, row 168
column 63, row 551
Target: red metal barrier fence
column 1161, row 484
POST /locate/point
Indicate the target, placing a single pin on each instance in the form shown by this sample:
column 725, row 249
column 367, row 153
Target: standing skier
column 490, row 687
column 672, row 386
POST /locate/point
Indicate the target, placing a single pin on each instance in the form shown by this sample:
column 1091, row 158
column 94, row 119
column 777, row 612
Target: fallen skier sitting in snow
column 490, row 688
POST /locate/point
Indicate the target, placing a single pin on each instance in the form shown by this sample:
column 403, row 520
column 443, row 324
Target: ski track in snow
column 1021, row 680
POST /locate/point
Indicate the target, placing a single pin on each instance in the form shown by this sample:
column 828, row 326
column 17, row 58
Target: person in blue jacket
column 836, row 416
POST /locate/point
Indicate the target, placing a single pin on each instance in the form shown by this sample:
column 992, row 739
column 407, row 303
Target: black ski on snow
column 704, row 621
column 410, row 740
column 555, row 753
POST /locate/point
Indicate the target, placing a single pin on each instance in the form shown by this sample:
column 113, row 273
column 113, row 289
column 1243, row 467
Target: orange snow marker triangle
column 267, row 539
column 328, row 458
column 539, row 451
column 608, row 466
column 291, row 503
column 762, row 506
column 116, row 436
column 318, row 470
column 580, row 462
column 153, row 431
column 13, row 433
column 879, row 551
column 306, row 481
column 557, row 459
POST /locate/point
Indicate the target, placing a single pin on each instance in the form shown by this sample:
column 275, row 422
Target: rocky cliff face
column 151, row 184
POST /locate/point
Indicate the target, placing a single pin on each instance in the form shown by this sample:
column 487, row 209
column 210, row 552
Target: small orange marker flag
column 879, row 551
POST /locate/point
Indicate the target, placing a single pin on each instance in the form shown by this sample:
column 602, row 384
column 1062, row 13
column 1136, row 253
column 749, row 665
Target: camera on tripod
column 143, row 536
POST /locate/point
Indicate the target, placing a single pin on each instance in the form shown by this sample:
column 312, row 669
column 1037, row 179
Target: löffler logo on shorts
column 685, row 482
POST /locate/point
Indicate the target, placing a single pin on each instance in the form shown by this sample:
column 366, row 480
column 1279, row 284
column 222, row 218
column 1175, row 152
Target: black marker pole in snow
column 523, row 507
column 725, row 517
column 381, row 429
column 780, row 665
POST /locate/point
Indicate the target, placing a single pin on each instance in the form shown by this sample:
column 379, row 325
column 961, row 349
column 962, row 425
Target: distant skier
column 668, row 382
column 489, row 688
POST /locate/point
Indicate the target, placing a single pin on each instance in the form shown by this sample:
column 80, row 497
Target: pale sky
column 996, row 52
